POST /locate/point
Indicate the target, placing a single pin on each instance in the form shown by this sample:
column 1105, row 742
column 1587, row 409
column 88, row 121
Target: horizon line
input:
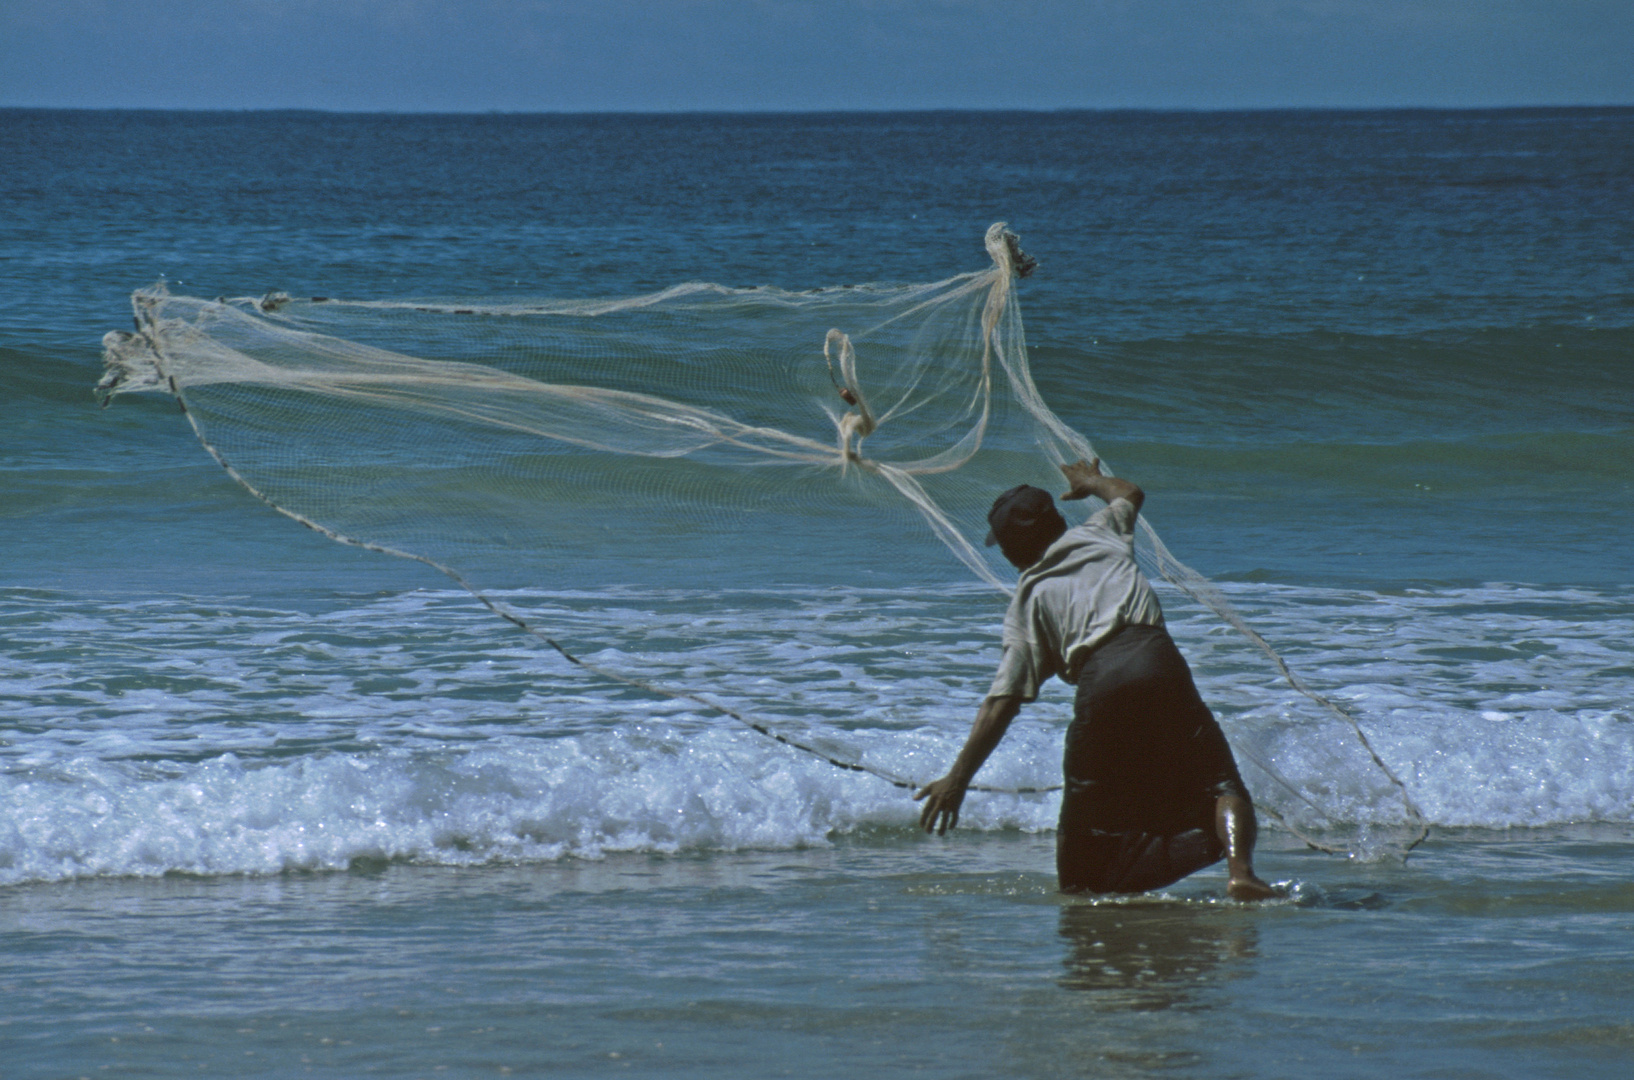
column 864, row 111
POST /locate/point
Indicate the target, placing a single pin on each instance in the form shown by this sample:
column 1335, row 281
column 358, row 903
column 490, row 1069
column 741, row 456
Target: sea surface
column 271, row 806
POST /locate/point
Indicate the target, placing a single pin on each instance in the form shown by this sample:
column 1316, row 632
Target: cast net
column 685, row 435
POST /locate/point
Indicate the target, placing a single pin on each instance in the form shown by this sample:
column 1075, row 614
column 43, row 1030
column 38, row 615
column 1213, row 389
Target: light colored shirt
column 1085, row 588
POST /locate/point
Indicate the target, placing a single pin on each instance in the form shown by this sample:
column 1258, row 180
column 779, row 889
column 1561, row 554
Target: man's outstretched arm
column 1087, row 479
column 943, row 797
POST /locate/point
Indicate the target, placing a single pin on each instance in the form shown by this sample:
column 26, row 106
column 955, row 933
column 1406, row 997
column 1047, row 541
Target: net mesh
column 678, row 436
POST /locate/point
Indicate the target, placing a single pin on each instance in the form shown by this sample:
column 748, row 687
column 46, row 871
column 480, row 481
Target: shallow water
column 1490, row 954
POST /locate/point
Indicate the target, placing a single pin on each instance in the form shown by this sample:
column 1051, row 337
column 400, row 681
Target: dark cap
column 1023, row 515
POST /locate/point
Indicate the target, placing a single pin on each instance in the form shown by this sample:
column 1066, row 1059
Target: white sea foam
column 646, row 787
column 149, row 736
column 1499, row 706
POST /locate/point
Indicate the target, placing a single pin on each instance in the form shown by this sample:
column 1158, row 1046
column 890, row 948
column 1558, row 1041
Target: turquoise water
column 271, row 805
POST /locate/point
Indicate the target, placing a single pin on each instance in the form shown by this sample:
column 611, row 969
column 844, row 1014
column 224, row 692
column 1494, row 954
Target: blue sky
column 667, row 55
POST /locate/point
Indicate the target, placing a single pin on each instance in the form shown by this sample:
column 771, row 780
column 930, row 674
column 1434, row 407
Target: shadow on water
column 1148, row 957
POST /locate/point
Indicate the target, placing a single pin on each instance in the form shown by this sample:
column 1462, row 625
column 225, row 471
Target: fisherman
column 1152, row 792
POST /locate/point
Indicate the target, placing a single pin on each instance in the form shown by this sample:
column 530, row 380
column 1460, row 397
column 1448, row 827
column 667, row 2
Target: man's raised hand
column 1082, row 475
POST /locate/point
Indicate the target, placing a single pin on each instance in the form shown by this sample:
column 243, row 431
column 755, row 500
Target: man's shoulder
column 1045, row 594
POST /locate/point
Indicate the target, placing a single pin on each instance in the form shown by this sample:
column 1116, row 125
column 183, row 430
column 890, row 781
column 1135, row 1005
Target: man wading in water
column 1152, row 791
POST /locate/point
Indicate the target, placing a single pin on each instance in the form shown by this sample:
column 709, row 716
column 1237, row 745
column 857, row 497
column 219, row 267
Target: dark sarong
column 1145, row 763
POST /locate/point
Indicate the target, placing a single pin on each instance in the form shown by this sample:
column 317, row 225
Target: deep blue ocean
column 271, row 806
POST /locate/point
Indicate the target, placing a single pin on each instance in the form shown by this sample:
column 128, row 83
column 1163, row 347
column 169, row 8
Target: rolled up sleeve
column 1022, row 670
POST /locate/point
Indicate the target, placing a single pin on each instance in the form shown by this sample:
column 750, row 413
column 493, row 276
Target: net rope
column 516, row 442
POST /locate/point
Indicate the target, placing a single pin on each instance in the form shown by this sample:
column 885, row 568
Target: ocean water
column 271, row 806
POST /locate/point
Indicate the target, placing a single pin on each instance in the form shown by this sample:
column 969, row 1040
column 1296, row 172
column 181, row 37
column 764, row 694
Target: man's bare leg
column 1235, row 824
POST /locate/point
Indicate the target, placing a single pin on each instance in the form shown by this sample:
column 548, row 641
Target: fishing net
column 684, row 435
